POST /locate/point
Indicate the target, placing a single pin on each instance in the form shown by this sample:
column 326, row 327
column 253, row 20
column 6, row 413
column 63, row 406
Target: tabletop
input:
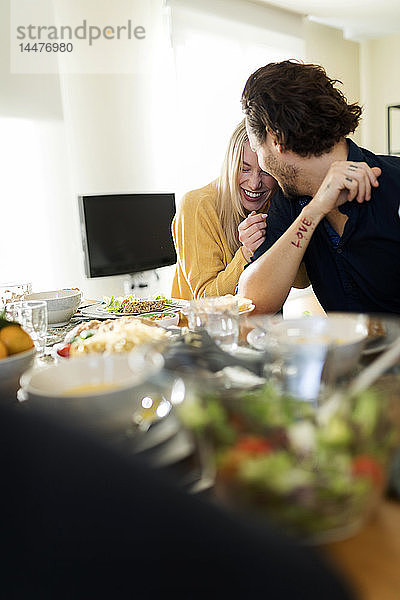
column 371, row 559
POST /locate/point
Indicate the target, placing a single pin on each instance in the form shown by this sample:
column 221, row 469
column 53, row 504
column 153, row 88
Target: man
column 338, row 205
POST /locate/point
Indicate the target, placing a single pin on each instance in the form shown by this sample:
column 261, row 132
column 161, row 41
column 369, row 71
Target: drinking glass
column 32, row 316
column 219, row 316
column 298, row 352
column 299, row 369
column 13, row 292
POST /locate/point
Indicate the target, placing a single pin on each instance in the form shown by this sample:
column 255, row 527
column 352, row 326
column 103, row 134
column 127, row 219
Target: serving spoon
column 362, row 381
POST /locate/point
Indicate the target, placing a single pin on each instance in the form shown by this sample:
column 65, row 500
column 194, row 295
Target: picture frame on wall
column 393, row 129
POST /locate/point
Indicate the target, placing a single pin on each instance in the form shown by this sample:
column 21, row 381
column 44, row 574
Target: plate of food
column 122, row 306
column 382, row 332
column 112, row 336
column 245, row 305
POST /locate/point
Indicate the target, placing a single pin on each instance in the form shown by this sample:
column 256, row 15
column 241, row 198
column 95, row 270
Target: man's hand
column 345, row 182
column 252, row 233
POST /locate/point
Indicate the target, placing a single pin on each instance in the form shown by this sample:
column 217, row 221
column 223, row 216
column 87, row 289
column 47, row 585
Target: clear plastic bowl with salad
column 317, row 474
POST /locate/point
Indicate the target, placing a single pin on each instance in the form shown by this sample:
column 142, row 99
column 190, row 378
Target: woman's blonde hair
column 230, row 209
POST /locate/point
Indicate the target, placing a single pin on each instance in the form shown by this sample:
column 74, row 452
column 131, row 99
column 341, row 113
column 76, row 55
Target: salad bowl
column 317, row 473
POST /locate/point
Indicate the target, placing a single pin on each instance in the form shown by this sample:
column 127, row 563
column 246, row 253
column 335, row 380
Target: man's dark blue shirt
column 360, row 272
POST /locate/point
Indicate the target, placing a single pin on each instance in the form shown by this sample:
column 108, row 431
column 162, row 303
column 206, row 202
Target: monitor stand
column 139, row 284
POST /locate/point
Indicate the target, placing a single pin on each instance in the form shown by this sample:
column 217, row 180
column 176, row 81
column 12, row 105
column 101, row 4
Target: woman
column 218, row 227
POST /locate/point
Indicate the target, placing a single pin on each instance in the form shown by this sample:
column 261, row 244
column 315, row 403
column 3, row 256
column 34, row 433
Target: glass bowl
column 317, row 471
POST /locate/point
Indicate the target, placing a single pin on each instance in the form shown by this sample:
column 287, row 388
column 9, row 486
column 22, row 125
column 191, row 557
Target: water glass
column 219, row 316
column 299, row 369
column 13, row 291
column 32, row 316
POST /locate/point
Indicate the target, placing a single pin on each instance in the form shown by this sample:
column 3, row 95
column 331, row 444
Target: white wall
column 340, row 58
column 380, row 82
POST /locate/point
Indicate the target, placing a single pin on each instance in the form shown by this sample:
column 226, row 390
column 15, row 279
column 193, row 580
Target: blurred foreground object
column 81, row 521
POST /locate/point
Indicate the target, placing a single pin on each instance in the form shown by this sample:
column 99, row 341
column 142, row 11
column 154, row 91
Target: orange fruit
column 15, row 339
column 3, row 350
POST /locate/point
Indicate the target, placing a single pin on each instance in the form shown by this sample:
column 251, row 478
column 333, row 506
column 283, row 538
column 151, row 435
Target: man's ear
column 272, row 135
column 277, row 145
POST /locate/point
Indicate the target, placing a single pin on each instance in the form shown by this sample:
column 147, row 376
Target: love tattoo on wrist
column 303, row 228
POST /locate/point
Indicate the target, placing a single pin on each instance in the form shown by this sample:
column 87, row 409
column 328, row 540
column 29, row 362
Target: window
column 214, row 55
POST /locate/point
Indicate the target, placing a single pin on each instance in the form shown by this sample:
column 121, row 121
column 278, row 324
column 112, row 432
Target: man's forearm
column 267, row 281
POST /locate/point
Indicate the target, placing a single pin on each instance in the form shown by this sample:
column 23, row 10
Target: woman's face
column 255, row 185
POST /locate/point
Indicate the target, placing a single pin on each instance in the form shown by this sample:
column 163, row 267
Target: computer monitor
column 126, row 233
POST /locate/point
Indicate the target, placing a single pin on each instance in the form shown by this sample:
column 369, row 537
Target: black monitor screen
column 126, row 233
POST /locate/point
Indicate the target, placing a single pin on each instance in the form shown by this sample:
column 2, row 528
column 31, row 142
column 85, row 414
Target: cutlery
column 87, row 305
column 363, row 380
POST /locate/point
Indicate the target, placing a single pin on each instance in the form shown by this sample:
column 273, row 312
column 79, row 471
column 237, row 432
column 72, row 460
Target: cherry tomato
column 367, row 466
column 254, row 444
column 247, row 447
column 64, row 352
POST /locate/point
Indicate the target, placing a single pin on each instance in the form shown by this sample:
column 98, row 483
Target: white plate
column 167, row 321
column 158, row 433
column 257, row 338
column 248, row 310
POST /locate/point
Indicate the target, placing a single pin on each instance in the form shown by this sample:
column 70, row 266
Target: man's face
column 273, row 160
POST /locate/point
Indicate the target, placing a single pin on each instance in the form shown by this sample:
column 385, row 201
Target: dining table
column 370, row 559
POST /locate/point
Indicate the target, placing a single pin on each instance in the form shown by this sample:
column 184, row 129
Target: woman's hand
column 252, row 233
column 344, row 182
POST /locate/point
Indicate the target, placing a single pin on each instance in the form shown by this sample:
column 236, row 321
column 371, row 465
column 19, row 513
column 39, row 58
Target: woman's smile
column 255, row 184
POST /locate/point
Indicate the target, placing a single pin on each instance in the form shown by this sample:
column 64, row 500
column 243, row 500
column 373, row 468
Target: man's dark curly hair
column 299, row 106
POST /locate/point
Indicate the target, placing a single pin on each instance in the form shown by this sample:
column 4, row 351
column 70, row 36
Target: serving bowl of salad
column 315, row 471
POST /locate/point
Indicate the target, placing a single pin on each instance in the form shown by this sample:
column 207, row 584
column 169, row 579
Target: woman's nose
column 255, row 180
